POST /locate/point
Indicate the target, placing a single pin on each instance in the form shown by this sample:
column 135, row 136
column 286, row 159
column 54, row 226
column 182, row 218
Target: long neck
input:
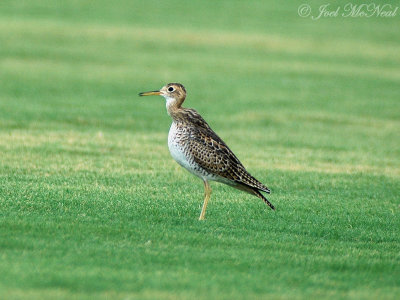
column 174, row 106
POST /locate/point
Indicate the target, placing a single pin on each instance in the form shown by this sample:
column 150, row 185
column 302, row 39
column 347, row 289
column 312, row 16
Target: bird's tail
column 259, row 195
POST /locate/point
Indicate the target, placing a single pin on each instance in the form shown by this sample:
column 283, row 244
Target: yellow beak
column 152, row 93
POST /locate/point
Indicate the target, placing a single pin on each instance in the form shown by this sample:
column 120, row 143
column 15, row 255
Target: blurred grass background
column 92, row 205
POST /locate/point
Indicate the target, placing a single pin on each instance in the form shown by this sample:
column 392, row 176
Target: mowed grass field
column 92, row 206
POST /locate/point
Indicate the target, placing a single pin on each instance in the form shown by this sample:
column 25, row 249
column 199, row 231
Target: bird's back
column 195, row 146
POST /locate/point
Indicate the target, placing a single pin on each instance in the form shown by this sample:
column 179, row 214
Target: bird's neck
column 174, row 106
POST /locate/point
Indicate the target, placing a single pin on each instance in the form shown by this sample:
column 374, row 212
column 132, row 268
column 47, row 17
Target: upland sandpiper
column 197, row 148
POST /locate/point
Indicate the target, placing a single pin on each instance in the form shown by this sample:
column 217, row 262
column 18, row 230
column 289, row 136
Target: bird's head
column 174, row 94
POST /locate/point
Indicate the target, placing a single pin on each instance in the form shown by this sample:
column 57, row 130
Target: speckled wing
column 213, row 155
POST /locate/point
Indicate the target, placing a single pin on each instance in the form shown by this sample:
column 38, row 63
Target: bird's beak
column 152, row 93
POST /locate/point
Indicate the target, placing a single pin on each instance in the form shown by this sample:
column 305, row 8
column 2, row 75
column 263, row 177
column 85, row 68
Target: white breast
column 180, row 152
column 175, row 147
column 177, row 139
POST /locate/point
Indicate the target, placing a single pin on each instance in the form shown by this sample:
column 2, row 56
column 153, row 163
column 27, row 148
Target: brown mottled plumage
column 196, row 147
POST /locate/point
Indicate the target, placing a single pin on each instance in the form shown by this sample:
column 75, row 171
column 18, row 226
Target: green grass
column 92, row 206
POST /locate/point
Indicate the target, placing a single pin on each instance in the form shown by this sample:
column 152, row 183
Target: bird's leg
column 207, row 194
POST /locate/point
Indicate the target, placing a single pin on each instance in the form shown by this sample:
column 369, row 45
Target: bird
column 197, row 148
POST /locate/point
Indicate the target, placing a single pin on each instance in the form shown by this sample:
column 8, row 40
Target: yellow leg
column 207, row 194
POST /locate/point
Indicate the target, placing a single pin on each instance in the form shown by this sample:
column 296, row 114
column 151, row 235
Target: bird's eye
column 170, row 89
